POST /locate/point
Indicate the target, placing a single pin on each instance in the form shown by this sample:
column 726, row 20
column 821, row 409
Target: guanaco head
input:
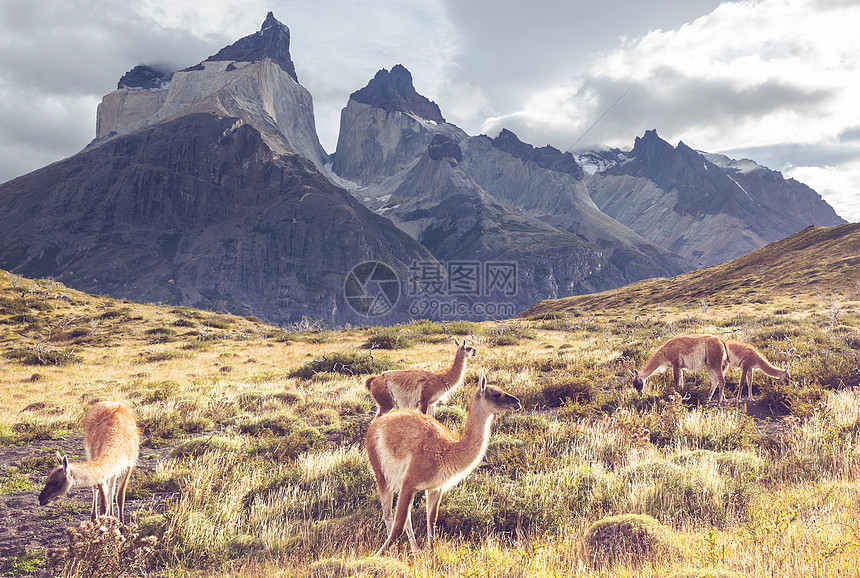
column 497, row 399
column 466, row 349
column 638, row 382
column 58, row 481
column 785, row 377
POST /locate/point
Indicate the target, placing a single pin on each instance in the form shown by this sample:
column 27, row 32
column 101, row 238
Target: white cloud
column 745, row 76
column 832, row 184
column 776, row 78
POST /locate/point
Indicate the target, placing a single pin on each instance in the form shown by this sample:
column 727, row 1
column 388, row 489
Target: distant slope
column 825, row 259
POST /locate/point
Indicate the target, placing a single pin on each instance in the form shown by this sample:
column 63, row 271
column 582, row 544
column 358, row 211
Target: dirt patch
column 25, row 525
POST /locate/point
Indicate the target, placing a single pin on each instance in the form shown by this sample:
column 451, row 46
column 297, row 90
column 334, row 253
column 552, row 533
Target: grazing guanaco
column 410, row 451
column 748, row 359
column 418, row 388
column 111, row 443
column 690, row 352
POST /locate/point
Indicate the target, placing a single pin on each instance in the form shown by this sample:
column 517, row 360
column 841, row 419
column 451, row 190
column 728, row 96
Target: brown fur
column 690, row 352
column 748, row 359
column 410, row 452
column 111, row 443
column 418, row 388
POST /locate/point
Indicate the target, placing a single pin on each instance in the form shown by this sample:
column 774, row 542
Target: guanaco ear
column 457, row 342
column 482, row 381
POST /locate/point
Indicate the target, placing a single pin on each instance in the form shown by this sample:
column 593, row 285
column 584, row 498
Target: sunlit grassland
column 262, row 435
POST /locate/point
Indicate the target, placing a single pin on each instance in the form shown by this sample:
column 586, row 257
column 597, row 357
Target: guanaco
column 111, row 443
column 418, row 388
column 688, row 352
column 748, row 359
column 410, row 451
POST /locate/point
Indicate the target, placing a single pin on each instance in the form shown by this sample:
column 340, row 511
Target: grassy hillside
column 257, row 432
column 817, row 261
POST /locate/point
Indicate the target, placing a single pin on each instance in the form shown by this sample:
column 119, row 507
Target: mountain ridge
column 220, row 194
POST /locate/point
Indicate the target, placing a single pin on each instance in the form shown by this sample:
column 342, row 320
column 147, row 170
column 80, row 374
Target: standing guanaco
column 410, row 451
column 111, row 443
column 418, row 388
column 690, row 352
column 748, row 359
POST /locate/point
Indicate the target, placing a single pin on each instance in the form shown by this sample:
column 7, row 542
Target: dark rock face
column 394, row 91
column 198, row 212
column 442, row 147
column 272, row 41
column 144, row 77
column 547, row 157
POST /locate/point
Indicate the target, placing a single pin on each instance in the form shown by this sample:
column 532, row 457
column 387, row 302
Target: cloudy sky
column 777, row 81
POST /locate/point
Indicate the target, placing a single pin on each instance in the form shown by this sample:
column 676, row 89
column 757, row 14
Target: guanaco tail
column 748, row 359
column 111, row 443
column 418, row 388
column 410, row 451
column 691, row 352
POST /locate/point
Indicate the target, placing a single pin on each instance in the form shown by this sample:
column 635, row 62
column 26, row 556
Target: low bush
column 344, row 364
column 390, row 338
column 626, row 538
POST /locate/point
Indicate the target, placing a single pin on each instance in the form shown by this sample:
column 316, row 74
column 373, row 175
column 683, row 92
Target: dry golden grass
column 280, row 485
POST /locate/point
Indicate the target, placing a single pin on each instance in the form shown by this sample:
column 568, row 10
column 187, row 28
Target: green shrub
column 501, row 335
column 289, row 446
column 218, row 322
column 625, row 538
column 451, row 416
column 40, row 355
column 305, row 492
column 791, row 398
column 170, row 424
column 390, row 338
column 661, row 488
column 27, row 564
column 460, row 327
column 344, row 364
column 578, row 388
column 197, row 446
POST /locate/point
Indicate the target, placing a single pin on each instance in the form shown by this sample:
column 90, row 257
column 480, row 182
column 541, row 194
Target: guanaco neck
column 88, row 473
column 458, row 369
column 470, row 448
column 764, row 366
column 652, row 364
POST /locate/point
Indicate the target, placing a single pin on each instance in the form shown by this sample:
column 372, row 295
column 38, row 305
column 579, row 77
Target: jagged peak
column 272, row 41
column 547, row 157
column 393, row 91
column 145, row 77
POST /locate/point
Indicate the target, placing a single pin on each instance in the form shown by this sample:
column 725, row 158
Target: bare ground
column 26, row 526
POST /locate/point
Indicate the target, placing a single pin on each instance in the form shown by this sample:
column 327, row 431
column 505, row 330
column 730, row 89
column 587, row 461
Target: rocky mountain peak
column 650, row 147
column 143, row 77
column 547, row 157
column 393, row 91
column 272, row 41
